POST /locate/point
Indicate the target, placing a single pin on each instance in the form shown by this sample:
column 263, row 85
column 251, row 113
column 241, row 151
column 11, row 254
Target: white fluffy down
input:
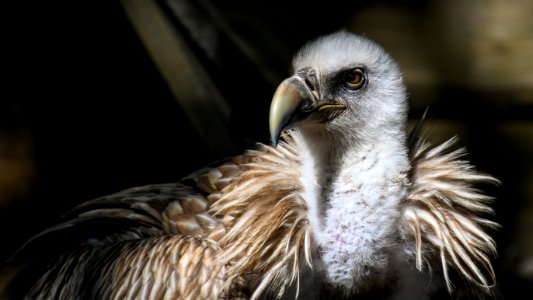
column 354, row 183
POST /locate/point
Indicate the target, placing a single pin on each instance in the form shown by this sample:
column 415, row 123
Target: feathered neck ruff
column 269, row 239
column 266, row 217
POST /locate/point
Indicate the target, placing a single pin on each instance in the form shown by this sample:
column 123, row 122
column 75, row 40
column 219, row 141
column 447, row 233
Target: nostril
column 310, row 84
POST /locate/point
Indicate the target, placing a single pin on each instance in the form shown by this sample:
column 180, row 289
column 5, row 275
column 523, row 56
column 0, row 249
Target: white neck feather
column 353, row 193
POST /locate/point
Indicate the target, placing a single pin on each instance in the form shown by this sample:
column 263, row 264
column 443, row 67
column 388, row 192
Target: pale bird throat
column 353, row 190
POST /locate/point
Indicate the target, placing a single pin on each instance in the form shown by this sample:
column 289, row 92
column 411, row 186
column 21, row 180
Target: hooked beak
column 294, row 103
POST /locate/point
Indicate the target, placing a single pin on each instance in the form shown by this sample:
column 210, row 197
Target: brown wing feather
column 444, row 214
column 199, row 238
column 135, row 240
column 166, row 267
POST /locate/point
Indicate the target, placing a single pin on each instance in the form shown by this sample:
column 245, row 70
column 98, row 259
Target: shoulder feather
column 444, row 214
column 268, row 231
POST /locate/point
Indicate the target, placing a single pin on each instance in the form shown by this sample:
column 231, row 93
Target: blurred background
column 99, row 96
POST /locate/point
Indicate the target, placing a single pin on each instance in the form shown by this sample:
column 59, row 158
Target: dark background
column 85, row 112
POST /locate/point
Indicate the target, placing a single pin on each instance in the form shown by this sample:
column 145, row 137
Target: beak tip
column 274, row 139
column 286, row 106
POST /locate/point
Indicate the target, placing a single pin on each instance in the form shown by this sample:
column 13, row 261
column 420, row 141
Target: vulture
column 344, row 204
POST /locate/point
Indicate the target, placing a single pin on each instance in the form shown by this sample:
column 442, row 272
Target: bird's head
column 343, row 84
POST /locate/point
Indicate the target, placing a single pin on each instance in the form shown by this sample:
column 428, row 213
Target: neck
column 353, row 189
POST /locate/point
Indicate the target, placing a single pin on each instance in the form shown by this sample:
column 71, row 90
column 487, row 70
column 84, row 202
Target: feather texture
column 151, row 242
column 442, row 214
column 269, row 229
column 165, row 267
column 334, row 207
column 252, row 232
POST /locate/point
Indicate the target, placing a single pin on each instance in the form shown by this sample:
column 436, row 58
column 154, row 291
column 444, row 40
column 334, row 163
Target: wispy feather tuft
column 268, row 228
column 443, row 214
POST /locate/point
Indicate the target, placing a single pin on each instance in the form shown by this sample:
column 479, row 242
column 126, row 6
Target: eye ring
column 354, row 78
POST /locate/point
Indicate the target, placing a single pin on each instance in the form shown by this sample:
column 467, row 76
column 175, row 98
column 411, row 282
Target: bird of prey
column 343, row 204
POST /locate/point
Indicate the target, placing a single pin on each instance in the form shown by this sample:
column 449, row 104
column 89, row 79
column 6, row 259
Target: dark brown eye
column 354, row 79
